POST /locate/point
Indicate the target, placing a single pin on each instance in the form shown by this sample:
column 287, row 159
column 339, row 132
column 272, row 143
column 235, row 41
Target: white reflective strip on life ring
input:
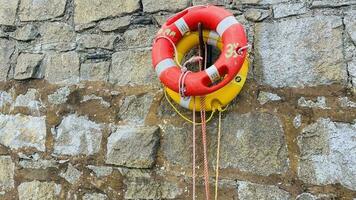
column 164, row 64
column 225, row 24
column 213, row 38
column 182, row 26
column 185, row 101
column 213, row 73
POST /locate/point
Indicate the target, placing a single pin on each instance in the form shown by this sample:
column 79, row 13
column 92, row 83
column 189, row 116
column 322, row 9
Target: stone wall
column 83, row 114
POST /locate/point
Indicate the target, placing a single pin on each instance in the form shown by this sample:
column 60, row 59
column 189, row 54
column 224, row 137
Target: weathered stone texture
column 264, row 132
column 38, row 10
column 157, row 5
column 56, row 36
column 150, row 189
column 256, row 15
column 120, row 24
column 8, row 12
column 331, row 3
column 7, row 172
column 134, row 109
column 7, row 48
column 26, row 33
column 252, row 191
column 124, row 139
column 89, row 11
column 139, row 37
column 90, row 41
column 95, row 71
column 28, row 66
column 39, row 190
column 132, row 67
column 289, row 9
column 300, row 52
column 319, row 103
column 29, row 100
column 18, row 131
column 95, row 196
column 72, row 175
column 328, row 151
column 59, row 96
column 76, row 135
column 101, row 171
column 265, row 97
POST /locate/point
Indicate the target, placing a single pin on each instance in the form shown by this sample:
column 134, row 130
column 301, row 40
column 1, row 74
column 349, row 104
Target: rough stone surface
column 29, row 100
column 60, row 96
column 308, row 196
column 133, row 38
column 135, row 65
column 18, row 131
column 264, row 132
column 96, row 98
column 331, row 3
column 120, row 24
column 101, row 171
column 72, row 175
column 7, row 48
column 95, row 71
column 28, row 66
column 300, row 52
column 56, row 36
column 256, row 15
column 251, row 191
column 26, row 33
column 345, row 102
column 7, row 171
column 328, row 151
column 5, row 99
column 8, row 12
column 62, row 68
column 134, row 109
column 124, row 139
column 89, row 11
column 289, row 9
column 264, row 97
column 39, row 190
column 171, row 5
column 77, row 135
column 150, row 189
column 35, row 162
column 95, row 196
column 90, row 41
column 350, row 24
column 319, row 103
column 35, row 10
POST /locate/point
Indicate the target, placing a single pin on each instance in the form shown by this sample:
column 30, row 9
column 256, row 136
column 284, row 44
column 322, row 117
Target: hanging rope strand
column 218, row 156
column 194, row 135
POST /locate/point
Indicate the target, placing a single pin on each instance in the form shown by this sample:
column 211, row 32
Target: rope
column 194, row 136
column 218, row 157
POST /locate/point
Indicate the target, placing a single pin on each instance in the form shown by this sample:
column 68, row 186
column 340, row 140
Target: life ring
column 219, row 98
column 227, row 65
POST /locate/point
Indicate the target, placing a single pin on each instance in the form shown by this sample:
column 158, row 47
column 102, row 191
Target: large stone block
column 92, row 41
column 38, row 10
column 133, row 67
column 7, row 48
column 18, row 131
column 8, row 12
column 300, row 52
column 252, row 191
column 150, row 189
column 95, row 71
column 139, row 37
column 134, row 109
column 328, row 153
column 7, row 171
column 26, row 33
column 331, row 3
column 56, row 36
column 77, row 136
column 39, row 190
column 87, row 11
column 157, row 5
column 133, row 147
column 289, row 9
column 28, row 66
column 263, row 132
column 62, row 68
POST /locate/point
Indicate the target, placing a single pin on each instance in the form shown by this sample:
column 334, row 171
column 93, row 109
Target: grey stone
column 95, row 71
column 297, row 121
column 345, row 102
column 8, row 12
column 139, row 37
column 62, row 68
column 289, row 9
column 150, row 189
column 77, row 136
column 158, row 5
column 263, row 132
column 101, row 171
column 134, row 109
column 72, row 174
column 39, row 190
column 259, row 1
column 7, row 48
column 264, row 97
column 34, row 10
column 3, row 34
column 328, row 153
column 5, row 99
column 133, row 67
column 256, row 15
column 28, row 66
column 180, row 139
column 29, row 100
column 308, row 196
column 92, row 10
column 161, row 18
column 35, row 162
column 319, row 103
column 252, row 191
column 350, row 24
column 19, row 131
column 300, row 52
column 91, row 41
column 133, row 174
column 60, row 96
column 94, row 196
column 25, row 33
column 144, row 141
column 331, row 3
column 7, row 172
column 56, row 36
column 120, row 24
column 94, row 97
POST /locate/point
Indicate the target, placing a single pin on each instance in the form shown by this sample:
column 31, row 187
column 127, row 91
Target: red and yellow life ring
column 227, row 65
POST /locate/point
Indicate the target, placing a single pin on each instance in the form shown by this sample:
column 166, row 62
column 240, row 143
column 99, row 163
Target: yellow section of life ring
column 220, row 98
